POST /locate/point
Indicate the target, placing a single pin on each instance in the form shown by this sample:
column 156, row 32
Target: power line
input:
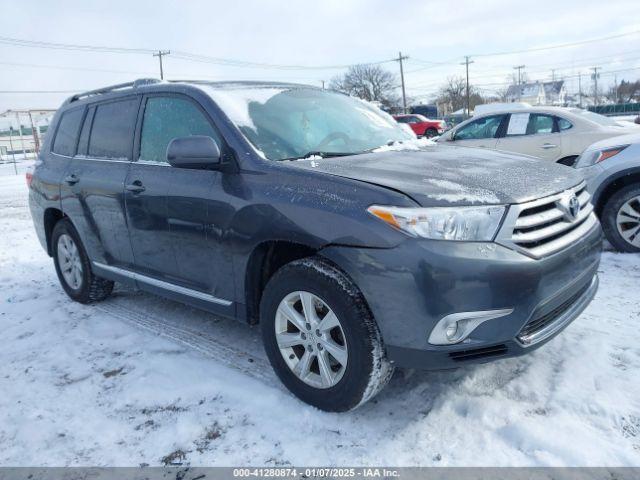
column 553, row 47
column 177, row 54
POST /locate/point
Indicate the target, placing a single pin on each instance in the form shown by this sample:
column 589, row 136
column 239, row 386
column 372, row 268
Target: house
column 538, row 93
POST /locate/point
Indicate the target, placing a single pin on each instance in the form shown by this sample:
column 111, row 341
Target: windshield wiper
column 312, row 154
column 390, row 143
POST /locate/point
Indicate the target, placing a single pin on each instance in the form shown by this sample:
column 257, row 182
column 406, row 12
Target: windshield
column 293, row 122
column 595, row 117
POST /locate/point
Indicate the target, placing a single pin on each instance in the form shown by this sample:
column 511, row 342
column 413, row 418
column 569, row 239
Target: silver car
column 550, row 133
column 612, row 170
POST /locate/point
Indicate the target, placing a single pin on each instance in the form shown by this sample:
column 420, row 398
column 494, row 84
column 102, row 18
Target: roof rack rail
column 120, row 86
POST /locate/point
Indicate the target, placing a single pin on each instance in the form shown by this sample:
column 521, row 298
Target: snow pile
column 141, row 380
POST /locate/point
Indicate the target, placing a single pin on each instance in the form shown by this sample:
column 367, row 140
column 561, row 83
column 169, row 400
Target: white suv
column 551, row 133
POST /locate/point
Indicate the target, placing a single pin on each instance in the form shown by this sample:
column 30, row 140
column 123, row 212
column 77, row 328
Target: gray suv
column 612, row 170
column 316, row 215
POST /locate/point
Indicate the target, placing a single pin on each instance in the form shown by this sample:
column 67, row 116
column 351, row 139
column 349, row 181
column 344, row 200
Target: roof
column 553, row 88
column 533, row 89
column 524, row 90
column 154, row 83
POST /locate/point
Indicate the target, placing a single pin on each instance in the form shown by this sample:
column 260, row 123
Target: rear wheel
column 73, row 266
column 430, row 132
column 320, row 336
column 621, row 219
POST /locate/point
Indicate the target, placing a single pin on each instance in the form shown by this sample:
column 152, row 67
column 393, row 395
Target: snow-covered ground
column 142, row 380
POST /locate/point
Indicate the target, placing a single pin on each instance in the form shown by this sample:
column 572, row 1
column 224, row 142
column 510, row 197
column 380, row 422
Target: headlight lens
column 478, row 224
column 591, row 158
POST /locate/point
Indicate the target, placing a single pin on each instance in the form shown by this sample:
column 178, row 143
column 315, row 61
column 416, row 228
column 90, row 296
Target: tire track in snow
column 231, row 356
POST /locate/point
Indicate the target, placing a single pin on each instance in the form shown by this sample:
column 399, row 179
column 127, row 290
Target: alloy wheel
column 628, row 221
column 311, row 339
column 69, row 261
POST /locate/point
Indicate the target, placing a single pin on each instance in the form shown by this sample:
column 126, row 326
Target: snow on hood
column 449, row 175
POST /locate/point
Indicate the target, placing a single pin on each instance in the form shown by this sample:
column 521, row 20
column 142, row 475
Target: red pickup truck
column 422, row 126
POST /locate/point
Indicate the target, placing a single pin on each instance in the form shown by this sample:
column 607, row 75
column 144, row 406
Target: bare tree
column 453, row 95
column 368, row 82
column 626, row 91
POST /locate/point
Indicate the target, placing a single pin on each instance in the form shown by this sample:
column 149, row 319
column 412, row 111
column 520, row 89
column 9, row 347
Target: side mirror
column 198, row 152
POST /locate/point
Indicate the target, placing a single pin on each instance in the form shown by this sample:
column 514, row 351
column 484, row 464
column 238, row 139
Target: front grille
column 545, row 226
column 539, row 323
column 478, row 353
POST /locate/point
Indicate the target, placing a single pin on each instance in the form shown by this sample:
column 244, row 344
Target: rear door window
column 540, row 124
column 112, row 131
column 67, row 134
column 166, row 118
column 83, row 143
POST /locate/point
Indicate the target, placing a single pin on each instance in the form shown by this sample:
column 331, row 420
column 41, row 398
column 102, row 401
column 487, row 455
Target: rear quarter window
column 112, row 129
column 66, row 137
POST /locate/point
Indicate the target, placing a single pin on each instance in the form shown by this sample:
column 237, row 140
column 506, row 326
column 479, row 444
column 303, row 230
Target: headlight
column 478, row 224
column 591, row 158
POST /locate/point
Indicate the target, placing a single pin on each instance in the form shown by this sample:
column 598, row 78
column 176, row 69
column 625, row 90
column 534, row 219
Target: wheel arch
column 51, row 217
column 265, row 259
column 614, row 183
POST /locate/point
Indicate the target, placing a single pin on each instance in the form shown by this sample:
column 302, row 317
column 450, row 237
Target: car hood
column 449, row 175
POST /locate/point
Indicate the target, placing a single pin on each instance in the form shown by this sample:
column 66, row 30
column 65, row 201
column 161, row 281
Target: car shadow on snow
column 409, row 395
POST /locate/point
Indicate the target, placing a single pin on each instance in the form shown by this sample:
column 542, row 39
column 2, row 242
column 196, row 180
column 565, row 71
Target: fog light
column 451, row 330
column 457, row 327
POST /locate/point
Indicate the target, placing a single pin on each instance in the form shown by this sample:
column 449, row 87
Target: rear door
column 533, row 134
column 95, row 177
column 175, row 215
column 481, row 133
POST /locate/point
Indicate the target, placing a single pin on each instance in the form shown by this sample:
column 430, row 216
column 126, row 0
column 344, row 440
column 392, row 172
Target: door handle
column 71, row 179
column 546, row 146
column 135, row 187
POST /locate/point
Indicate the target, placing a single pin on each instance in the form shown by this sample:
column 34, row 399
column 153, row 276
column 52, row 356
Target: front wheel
column 320, row 337
column 73, row 266
column 621, row 219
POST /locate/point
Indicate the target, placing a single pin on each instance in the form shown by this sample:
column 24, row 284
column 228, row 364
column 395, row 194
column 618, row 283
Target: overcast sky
column 307, row 33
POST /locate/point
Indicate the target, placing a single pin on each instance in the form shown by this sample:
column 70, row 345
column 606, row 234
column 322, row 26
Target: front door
column 172, row 211
column 533, row 134
column 480, row 133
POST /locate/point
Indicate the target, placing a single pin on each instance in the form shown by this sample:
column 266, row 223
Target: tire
column 430, row 132
column 628, row 198
column 367, row 369
column 89, row 288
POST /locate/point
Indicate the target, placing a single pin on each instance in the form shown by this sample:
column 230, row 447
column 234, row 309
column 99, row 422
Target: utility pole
column 24, row 150
column 519, row 68
column 580, row 89
column 36, row 140
column 160, row 54
column 404, row 95
column 595, row 84
column 615, row 87
column 553, row 75
column 322, row 81
column 13, row 152
column 466, row 63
